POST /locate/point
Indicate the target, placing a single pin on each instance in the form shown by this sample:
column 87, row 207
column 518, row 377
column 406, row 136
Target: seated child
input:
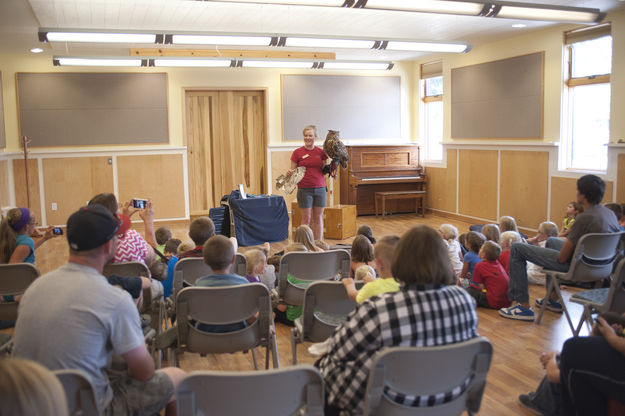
column 572, row 210
column 383, row 257
column 162, row 234
column 490, row 281
column 367, row 232
column 171, row 248
column 322, row 245
column 304, row 235
column 507, row 223
column 171, row 252
column 546, row 229
column 364, row 273
column 450, row 234
column 255, row 262
column 462, row 239
column 491, row 232
column 507, row 238
column 361, row 253
column 473, row 244
column 618, row 211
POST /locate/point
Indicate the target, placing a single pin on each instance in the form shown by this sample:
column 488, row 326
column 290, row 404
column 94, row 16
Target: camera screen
column 57, row 231
column 139, row 203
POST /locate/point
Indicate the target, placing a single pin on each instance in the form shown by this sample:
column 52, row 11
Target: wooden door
column 226, row 144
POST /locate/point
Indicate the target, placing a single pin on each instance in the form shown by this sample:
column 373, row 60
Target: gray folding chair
column 601, row 300
column 326, row 306
column 289, row 391
column 592, row 261
column 325, row 265
column 79, row 391
column 188, row 270
column 14, row 280
column 222, row 306
column 442, row 369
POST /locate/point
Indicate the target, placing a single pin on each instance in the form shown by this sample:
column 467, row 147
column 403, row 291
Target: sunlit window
column 432, row 97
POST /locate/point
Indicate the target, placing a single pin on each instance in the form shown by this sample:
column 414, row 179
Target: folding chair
column 188, row 270
column 14, row 280
column 325, row 265
column 289, row 391
column 601, row 300
column 222, row 306
column 592, row 261
column 326, row 306
column 425, row 371
column 79, row 391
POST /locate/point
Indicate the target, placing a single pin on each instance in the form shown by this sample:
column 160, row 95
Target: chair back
column 444, row 368
column 286, row 391
column 240, row 265
column 14, row 280
column 222, row 306
column 616, row 295
column 189, row 269
column 322, row 265
column 594, row 257
column 326, row 306
column 78, row 391
column 126, row 269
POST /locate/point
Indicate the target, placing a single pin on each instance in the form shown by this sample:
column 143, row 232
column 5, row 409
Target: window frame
column 425, row 100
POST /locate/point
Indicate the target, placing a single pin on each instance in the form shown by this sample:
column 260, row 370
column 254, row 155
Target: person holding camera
column 17, row 230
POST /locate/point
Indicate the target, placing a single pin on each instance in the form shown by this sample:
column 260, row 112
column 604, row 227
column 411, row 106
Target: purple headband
column 23, row 220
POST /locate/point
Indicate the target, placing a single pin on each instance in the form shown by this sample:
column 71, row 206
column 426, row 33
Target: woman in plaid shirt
column 428, row 310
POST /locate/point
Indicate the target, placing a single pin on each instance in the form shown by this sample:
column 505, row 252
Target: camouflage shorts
column 136, row 397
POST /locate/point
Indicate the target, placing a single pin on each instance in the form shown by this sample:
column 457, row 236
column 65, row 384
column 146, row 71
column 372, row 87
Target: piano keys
column 380, row 168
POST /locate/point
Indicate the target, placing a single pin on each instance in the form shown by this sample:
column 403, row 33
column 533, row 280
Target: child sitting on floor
column 450, row 234
column 383, row 257
column 507, row 238
column 256, row 261
column 491, row 232
column 473, row 244
column 490, row 281
column 546, row 229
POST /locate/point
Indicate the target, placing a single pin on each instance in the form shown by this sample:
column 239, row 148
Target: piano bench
column 418, row 196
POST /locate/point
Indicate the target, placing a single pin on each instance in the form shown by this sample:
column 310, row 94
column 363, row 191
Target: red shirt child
column 493, row 277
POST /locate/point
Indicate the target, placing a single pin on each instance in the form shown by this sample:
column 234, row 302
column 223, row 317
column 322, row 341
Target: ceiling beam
column 231, row 53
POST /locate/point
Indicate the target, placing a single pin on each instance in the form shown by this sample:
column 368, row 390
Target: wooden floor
column 517, row 345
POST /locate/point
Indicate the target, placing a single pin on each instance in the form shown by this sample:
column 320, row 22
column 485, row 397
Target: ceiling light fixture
column 97, row 37
column 221, row 40
column 358, row 65
column 298, row 42
column 276, row 64
column 197, row 63
column 36, row 50
column 394, row 45
column 70, row 61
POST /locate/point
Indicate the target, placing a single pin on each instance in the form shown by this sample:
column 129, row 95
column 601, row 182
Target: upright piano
column 374, row 169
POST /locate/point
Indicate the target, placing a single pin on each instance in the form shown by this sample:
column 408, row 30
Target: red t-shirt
column 313, row 161
column 504, row 259
column 493, row 276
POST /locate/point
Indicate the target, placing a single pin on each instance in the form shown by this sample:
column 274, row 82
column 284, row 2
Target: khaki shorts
column 136, row 397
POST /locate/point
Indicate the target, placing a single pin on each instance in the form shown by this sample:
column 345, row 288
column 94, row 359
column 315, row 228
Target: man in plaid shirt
column 427, row 311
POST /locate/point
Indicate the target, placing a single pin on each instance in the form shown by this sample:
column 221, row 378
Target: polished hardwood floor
column 517, row 345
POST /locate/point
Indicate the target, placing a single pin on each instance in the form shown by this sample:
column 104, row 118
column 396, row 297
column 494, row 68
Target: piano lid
column 383, row 161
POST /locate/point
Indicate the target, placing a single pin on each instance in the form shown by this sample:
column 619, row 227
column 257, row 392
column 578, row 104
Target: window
column 432, row 119
column 587, row 129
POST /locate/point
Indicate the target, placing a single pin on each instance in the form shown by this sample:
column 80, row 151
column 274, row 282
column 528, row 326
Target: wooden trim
column 230, row 53
column 468, row 218
column 433, row 98
column 593, row 79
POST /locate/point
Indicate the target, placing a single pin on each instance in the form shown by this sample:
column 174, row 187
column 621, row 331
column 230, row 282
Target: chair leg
column 544, row 305
column 584, row 318
column 294, row 338
column 253, row 351
column 274, row 352
column 556, row 287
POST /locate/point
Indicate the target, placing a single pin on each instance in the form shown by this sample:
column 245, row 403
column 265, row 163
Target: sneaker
column 517, row 312
column 526, row 401
column 552, row 305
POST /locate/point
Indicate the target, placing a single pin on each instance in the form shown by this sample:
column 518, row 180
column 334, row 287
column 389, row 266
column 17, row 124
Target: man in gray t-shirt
column 73, row 318
column 557, row 254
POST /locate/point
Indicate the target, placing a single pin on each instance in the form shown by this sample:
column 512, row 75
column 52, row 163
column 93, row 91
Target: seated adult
column 557, row 254
column 428, row 310
column 73, row 318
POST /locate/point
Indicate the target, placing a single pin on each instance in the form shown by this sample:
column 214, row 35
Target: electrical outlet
column 110, row 160
column 54, row 207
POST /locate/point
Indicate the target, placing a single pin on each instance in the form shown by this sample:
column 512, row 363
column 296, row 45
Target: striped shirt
column 416, row 315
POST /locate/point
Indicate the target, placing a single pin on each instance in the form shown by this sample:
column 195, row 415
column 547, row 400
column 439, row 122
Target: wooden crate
column 339, row 221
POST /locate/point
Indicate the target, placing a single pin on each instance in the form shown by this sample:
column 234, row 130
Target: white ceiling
column 20, row 20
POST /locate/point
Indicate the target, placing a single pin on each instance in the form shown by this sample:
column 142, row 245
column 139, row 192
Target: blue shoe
column 517, row 312
column 552, row 305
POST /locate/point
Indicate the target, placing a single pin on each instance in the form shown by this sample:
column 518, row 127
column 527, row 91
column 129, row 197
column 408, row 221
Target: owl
column 335, row 149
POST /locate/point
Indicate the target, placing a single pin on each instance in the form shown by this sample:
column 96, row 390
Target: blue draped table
column 260, row 218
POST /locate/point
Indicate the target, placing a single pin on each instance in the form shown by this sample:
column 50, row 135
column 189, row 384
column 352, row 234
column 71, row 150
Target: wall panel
column 19, row 178
column 523, row 191
column 159, row 177
column 620, row 173
column 477, row 184
column 5, row 196
column 71, row 182
column 441, row 184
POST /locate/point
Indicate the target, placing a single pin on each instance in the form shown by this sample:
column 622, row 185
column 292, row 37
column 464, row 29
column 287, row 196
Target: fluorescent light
column 330, row 3
column 518, row 25
column 193, row 62
column 329, row 43
column 426, row 46
column 545, row 14
column 101, row 37
column 221, row 40
column 427, row 6
column 356, row 65
column 277, row 64
column 36, row 50
column 97, row 62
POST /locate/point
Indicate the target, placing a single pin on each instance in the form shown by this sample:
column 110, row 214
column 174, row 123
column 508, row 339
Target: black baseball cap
column 91, row 227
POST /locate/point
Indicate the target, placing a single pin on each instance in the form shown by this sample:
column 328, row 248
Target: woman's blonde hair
column 253, row 258
column 491, row 232
column 507, row 223
column 548, row 228
column 421, row 258
column 310, row 127
column 16, row 218
column 28, row 388
column 304, row 235
column 509, row 237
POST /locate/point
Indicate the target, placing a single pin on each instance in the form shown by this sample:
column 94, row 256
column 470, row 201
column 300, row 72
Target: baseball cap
column 91, row 227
